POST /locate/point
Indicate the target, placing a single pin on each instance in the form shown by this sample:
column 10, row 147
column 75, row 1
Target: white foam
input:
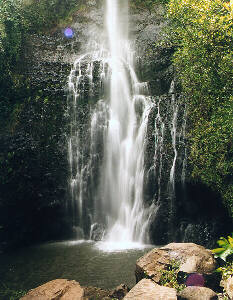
column 106, row 246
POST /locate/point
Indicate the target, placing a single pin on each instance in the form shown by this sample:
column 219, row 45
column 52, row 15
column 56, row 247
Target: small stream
column 80, row 261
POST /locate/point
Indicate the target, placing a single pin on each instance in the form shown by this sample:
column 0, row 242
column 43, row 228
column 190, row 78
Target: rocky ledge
column 195, row 279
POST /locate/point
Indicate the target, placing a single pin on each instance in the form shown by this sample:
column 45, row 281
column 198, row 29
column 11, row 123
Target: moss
column 169, row 276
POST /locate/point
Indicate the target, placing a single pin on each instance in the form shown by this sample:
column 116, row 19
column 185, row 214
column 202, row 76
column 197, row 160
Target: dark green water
column 83, row 262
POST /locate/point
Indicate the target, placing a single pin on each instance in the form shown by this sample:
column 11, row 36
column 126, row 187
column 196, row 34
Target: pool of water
column 87, row 262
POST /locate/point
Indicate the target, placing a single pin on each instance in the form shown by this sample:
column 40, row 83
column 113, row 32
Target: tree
column 202, row 32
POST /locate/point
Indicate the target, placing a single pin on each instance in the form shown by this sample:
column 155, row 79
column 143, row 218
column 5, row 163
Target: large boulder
column 59, row 289
column 146, row 289
column 197, row 293
column 192, row 258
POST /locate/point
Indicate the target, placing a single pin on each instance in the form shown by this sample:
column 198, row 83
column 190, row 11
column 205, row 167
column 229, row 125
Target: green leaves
column 169, row 276
column 202, row 33
column 226, row 247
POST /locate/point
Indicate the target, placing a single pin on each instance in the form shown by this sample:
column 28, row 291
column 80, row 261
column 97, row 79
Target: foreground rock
column 197, row 293
column 63, row 289
column 228, row 286
column 146, row 289
column 59, row 289
column 193, row 259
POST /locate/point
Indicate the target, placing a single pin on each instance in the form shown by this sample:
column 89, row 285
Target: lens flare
column 68, row 32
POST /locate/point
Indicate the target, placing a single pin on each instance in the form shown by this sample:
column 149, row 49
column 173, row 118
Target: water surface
column 81, row 261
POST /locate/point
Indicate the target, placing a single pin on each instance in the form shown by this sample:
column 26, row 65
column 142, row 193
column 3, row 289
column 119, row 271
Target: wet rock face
column 154, row 62
column 97, row 232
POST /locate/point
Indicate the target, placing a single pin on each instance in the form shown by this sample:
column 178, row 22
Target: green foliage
column 225, row 248
column 18, row 18
column 46, row 14
column 10, row 294
column 227, row 270
column 147, row 4
column 11, row 31
column 169, row 276
column 32, row 155
column 202, row 34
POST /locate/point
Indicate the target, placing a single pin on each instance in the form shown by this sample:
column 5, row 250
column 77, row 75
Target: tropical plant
column 202, row 34
column 227, row 270
column 169, row 276
column 225, row 248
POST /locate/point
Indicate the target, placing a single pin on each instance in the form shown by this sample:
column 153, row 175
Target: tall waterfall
column 111, row 165
column 123, row 170
column 126, row 148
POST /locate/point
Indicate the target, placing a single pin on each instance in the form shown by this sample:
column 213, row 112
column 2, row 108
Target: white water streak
column 119, row 122
column 129, row 109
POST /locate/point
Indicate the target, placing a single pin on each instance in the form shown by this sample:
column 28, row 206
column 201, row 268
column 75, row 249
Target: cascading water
column 107, row 164
column 166, row 160
column 123, row 172
column 127, row 151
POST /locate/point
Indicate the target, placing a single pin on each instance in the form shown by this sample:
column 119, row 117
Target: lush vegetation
column 32, row 154
column 225, row 248
column 225, row 253
column 202, row 34
column 150, row 5
column 169, row 276
column 17, row 20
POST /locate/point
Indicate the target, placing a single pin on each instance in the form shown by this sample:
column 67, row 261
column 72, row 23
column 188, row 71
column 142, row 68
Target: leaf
column 218, row 250
column 230, row 239
column 226, row 249
column 227, row 252
column 222, row 242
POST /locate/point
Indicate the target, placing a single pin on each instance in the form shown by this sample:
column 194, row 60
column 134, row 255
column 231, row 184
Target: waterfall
column 106, row 155
column 126, row 148
column 123, row 170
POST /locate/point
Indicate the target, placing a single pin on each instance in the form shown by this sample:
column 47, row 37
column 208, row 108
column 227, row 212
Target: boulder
column 229, row 287
column 146, row 289
column 59, row 289
column 193, row 259
column 197, row 293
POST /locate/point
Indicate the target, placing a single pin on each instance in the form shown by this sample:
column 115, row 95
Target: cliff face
column 185, row 210
column 35, row 192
